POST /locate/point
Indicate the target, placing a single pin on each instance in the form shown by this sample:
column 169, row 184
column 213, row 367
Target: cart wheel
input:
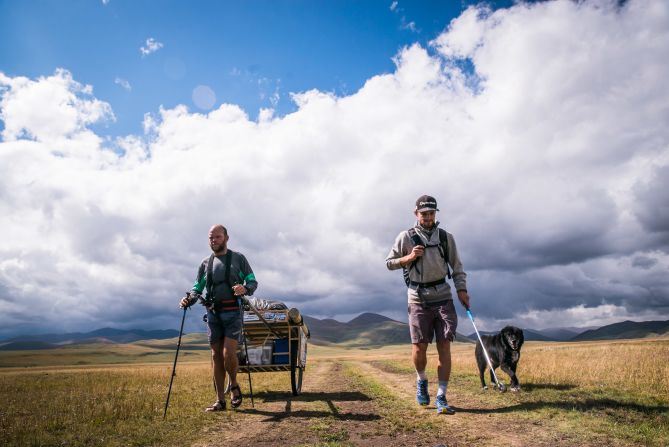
column 296, row 371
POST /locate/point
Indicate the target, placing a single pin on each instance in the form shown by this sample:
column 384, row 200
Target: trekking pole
column 492, row 370
column 248, row 364
column 174, row 368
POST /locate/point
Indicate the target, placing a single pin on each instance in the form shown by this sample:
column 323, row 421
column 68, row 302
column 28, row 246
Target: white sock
column 443, row 384
column 421, row 375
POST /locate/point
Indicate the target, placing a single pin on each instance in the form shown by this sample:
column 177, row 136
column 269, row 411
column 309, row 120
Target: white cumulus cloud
column 123, row 83
column 52, row 109
column 151, row 46
column 548, row 155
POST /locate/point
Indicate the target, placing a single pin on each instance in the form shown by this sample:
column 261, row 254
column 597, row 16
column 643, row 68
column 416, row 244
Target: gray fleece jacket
column 429, row 267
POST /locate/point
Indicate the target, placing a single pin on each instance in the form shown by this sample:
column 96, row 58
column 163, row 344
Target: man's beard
column 217, row 248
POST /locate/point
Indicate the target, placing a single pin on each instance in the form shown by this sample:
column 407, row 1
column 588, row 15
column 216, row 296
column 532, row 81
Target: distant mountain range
column 104, row 335
column 615, row 331
column 366, row 330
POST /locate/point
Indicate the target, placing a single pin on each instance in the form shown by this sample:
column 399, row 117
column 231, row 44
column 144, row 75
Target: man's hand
column 239, row 290
column 416, row 252
column 190, row 299
column 185, row 302
column 463, row 296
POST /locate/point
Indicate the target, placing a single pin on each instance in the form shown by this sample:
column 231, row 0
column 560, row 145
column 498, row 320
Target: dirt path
column 328, row 410
column 361, row 403
column 473, row 423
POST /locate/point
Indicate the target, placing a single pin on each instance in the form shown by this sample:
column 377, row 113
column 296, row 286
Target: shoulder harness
column 443, row 250
column 223, row 305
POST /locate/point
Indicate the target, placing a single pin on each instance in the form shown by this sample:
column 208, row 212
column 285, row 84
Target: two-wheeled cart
column 276, row 340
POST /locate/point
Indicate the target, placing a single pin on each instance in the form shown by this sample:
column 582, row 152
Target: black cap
column 426, row 203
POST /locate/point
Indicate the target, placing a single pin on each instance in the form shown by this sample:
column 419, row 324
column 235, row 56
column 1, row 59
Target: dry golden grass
column 587, row 393
column 620, row 388
column 639, row 366
column 110, row 405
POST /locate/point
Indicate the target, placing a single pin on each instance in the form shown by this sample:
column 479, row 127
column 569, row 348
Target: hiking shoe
column 442, row 405
column 422, row 396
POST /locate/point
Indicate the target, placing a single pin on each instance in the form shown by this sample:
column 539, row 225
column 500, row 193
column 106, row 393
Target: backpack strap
column 228, row 261
column 443, row 245
column 416, row 241
column 210, row 275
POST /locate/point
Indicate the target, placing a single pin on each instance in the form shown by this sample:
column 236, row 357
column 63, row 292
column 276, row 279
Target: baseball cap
column 426, row 203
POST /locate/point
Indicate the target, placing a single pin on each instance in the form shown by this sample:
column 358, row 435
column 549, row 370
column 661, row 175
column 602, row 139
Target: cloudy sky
column 540, row 128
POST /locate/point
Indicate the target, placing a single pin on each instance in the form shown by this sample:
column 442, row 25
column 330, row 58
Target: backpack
column 443, row 249
column 223, row 304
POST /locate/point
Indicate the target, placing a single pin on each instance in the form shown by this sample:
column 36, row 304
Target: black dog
column 503, row 350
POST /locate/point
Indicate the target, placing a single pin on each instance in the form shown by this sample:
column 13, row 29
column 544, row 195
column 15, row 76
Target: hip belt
column 423, row 285
column 226, row 305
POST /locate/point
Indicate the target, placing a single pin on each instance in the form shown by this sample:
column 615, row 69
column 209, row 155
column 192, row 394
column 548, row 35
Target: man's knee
column 230, row 355
column 420, row 347
column 444, row 347
column 217, row 352
column 230, row 345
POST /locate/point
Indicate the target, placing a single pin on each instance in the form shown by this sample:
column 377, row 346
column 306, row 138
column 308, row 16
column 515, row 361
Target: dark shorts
column 222, row 325
column 440, row 321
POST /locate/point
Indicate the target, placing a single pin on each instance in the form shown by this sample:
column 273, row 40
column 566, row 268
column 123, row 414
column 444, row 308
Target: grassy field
column 588, row 393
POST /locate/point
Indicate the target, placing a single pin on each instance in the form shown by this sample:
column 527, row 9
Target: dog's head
column 513, row 337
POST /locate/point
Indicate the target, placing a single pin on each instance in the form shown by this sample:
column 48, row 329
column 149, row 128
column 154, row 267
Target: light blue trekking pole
column 492, row 370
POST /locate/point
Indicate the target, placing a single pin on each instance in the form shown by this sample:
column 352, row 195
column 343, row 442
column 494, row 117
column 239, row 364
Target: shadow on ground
column 547, row 386
column 574, row 405
column 327, row 398
column 343, row 396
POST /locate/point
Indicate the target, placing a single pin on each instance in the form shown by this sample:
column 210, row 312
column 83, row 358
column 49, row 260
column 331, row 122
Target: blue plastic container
column 280, row 356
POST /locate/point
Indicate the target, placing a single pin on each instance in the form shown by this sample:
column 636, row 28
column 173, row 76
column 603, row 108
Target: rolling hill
column 626, row 329
column 367, row 329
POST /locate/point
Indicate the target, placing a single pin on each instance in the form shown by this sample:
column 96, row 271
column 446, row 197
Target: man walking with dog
column 428, row 256
column 226, row 276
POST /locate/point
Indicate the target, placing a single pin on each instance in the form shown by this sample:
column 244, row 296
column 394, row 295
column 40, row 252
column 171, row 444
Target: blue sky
column 250, row 53
column 128, row 128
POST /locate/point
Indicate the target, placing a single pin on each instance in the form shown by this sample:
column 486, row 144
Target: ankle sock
column 421, row 375
column 443, row 385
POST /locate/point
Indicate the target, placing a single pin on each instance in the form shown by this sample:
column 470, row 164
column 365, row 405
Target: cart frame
column 277, row 326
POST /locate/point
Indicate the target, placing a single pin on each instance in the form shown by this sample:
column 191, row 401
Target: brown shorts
column 424, row 322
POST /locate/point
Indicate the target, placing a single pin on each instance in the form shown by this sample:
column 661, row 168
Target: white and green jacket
column 221, row 288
